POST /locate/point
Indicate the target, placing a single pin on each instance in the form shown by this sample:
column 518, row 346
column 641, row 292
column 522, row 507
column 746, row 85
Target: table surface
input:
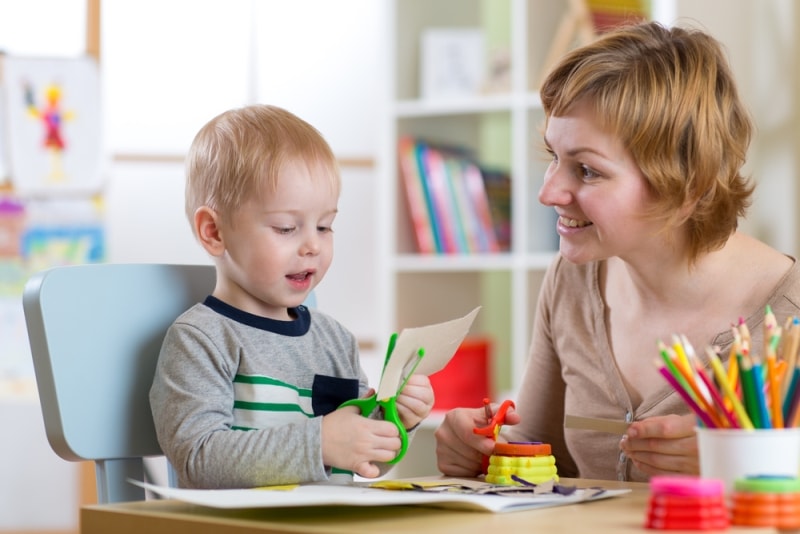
column 617, row 515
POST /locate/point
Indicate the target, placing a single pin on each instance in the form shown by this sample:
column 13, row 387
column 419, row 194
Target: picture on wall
column 52, row 110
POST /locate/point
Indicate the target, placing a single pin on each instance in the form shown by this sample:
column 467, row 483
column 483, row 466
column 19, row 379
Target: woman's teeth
column 573, row 223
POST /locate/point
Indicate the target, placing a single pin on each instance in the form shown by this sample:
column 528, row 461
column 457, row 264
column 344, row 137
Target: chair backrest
column 95, row 333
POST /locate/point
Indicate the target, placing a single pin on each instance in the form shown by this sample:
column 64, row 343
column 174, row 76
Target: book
column 448, row 201
column 497, row 184
column 444, row 211
column 416, row 196
column 473, row 178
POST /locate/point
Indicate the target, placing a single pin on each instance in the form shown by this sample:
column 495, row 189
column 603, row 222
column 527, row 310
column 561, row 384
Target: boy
column 248, row 383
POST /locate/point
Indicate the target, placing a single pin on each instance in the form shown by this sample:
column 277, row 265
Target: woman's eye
column 587, row 173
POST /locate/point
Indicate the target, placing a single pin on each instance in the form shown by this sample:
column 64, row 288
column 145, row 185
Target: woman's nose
column 555, row 189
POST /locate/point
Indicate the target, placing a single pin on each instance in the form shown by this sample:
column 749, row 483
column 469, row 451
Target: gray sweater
column 237, row 399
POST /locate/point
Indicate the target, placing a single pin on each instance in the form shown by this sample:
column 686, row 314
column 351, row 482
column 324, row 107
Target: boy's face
column 279, row 247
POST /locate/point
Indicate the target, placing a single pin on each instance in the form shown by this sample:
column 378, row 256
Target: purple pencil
column 707, row 421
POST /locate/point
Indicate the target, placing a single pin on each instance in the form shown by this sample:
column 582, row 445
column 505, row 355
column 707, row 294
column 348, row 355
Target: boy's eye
column 324, row 229
column 284, row 229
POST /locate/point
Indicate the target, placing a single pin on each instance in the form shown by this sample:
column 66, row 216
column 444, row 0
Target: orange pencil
column 775, row 397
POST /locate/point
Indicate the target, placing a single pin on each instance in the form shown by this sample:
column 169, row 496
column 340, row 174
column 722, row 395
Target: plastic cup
column 731, row 454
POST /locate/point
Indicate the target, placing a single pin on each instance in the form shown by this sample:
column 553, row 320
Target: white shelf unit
column 503, row 129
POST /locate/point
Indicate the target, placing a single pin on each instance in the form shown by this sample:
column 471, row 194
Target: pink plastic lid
column 686, row 485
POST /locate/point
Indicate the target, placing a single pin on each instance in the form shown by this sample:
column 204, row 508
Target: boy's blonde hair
column 671, row 98
column 241, row 152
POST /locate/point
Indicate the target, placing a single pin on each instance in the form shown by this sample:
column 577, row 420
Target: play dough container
column 516, row 463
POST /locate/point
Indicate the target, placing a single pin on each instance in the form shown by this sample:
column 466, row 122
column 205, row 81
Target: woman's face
column 597, row 190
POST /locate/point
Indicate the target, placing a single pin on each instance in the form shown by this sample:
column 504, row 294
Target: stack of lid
column 767, row 501
column 686, row 503
column 519, row 462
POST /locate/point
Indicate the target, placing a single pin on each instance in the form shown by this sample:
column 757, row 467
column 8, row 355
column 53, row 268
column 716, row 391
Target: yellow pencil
column 683, row 359
column 719, row 373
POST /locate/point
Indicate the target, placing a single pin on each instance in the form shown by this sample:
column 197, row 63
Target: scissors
column 388, row 406
column 493, row 424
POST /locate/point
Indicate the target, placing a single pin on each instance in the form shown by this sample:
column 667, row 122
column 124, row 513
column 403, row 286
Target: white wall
column 167, row 68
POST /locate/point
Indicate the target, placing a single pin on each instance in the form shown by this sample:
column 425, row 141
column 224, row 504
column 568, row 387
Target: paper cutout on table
column 306, row 495
column 439, row 341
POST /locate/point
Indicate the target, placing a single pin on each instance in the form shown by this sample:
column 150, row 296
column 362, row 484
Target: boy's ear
column 206, row 227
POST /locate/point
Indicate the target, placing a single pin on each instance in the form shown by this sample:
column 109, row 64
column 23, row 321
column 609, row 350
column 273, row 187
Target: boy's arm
column 192, row 399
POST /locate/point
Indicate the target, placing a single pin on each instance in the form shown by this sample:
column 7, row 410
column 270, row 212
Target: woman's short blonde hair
column 241, row 152
column 671, row 98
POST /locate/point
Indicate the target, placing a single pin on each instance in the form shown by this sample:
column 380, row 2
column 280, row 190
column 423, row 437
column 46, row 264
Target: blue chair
column 95, row 333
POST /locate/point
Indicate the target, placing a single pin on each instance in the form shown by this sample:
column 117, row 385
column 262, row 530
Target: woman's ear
column 207, row 230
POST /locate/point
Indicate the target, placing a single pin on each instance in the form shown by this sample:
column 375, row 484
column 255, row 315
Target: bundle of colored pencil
column 755, row 391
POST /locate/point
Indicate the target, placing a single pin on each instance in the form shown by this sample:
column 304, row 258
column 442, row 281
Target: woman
column 647, row 136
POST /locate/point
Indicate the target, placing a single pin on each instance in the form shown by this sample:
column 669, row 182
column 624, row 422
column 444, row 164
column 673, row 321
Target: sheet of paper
column 439, row 341
column 358, row 495
column 611, row 426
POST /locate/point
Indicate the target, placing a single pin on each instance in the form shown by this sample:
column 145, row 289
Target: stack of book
column 455, row 206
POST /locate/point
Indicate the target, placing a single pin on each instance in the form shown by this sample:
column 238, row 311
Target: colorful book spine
column 444, row 212
column 480, row 201
column 448, row 201
column 416, row 196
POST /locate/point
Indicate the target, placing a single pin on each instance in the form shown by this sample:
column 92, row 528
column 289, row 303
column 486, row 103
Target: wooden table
column 616, row 515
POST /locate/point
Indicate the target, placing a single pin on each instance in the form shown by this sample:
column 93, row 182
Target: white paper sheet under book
column 306, row 495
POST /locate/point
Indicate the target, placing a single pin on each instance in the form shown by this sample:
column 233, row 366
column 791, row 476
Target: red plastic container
column 464, row 382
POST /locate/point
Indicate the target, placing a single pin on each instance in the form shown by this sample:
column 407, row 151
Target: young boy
column 248, row 383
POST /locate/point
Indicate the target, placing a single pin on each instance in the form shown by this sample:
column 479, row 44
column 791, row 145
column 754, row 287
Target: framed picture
column 52, row 113
column 453, row 62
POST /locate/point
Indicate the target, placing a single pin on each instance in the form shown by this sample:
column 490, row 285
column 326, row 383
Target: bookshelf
column 501, row 127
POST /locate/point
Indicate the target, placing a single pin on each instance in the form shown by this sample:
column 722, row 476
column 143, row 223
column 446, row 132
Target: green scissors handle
column 389, row 406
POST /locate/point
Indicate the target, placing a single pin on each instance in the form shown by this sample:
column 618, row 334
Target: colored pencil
column 760, row 398
column 730, row 394
column 789, row 352
column 729, row 417
column 702, row 415
column 773, row 379
column 748, row 390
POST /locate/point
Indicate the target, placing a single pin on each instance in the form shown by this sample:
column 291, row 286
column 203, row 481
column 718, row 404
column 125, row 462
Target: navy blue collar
column 297, row 327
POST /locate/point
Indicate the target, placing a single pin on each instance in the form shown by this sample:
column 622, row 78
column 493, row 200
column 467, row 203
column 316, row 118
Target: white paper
column 357, row 495
column 439, row 341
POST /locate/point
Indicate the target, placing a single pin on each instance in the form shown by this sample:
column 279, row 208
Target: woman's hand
column 663, row 445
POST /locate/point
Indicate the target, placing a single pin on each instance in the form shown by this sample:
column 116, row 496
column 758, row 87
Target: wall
column 167, row 68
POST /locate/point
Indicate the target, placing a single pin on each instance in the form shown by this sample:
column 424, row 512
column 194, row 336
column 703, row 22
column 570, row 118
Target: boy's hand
column 353, row 442
column 415, row 401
